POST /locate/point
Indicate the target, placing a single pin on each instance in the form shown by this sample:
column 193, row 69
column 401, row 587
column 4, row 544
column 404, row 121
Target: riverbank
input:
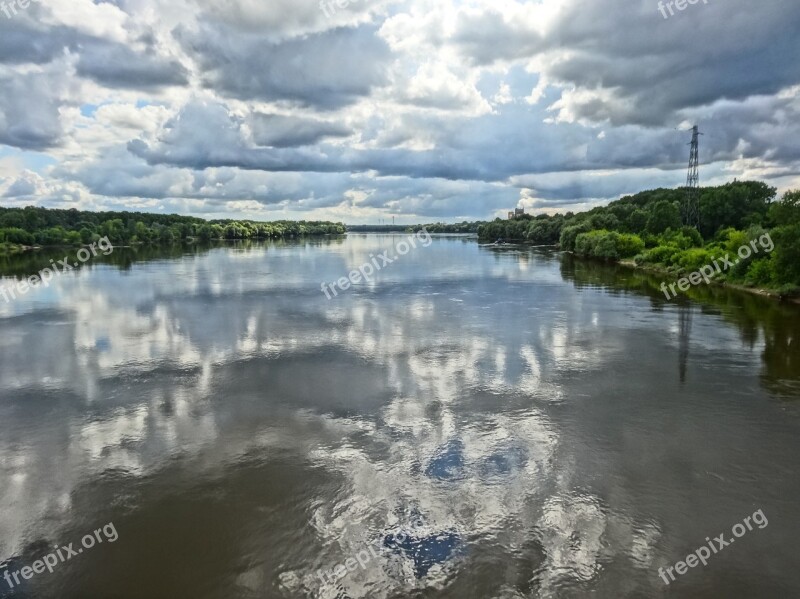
column 742, row 216
column 661, row 271
column 10, row 249
column 664, row 272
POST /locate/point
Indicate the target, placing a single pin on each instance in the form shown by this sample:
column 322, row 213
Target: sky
column 364, row 111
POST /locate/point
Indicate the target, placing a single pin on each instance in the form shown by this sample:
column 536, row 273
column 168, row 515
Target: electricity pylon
column 691, row 203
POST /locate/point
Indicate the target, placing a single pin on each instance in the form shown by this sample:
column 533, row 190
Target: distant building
column 516, row 213
column 510, row 216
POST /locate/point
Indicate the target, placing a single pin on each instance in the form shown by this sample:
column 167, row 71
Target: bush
column 18, row 236
column 683, row 238
column 650, row 240
column 569, row 235
column 761, row 272
column 608, row 245
column 663, row 254
column 694, row 235
column 735, row 240
column 629, row 245
column 694, row 259
column 545, row 231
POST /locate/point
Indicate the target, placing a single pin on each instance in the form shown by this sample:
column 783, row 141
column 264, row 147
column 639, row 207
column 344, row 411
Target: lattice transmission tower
column 691, row 203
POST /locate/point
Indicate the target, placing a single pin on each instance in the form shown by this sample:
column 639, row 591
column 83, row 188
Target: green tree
column 665, row 215
column 637, row 222
column 569, row 235
column 787, row 211
column 786, row 255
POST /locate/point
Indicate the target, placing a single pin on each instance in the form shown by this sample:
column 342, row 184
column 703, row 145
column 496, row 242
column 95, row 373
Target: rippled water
column 478, row 422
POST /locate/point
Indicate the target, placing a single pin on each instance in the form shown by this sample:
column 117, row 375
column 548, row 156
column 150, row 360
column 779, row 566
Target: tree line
column 647, row 228
column 33, row 226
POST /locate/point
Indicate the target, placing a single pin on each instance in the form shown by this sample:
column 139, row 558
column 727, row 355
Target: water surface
column 494, row 423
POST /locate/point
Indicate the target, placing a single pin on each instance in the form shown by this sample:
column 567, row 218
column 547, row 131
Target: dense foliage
column 463, row 227
column 377, row 228
column 647, row 227
column 44, row 227
column 608, row 245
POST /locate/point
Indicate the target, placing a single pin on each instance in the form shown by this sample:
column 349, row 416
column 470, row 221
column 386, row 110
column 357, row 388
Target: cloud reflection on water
column 413, row 402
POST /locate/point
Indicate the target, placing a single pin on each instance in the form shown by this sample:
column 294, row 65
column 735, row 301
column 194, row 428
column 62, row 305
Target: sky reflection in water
column 243, row 432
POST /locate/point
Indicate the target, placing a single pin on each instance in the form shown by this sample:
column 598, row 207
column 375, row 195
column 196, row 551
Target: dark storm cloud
column 29, row 116
column 327, row 70
column 489, row 37
column 651, row 67
column 118, row 66
column 567, row 186
column 22, row 43
column 109, row 63
column 286, row 131
column 763, row 127
column 205, row 135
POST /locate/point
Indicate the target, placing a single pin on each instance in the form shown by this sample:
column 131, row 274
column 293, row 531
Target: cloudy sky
column 423, row 110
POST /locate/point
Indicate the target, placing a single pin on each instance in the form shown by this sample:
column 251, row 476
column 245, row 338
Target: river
column 474, row 422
